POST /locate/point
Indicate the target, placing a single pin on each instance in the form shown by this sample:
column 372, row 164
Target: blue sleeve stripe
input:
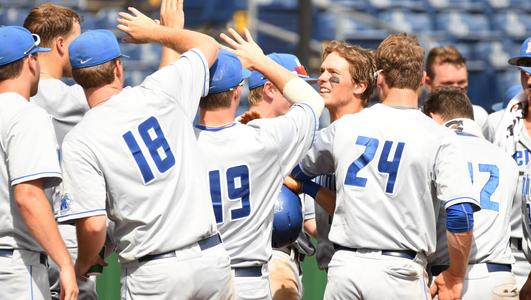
column 89, row 212
column 205, row 90
column 460, row 217
column 38, row 175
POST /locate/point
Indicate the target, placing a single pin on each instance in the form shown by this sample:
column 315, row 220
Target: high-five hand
column 138, row 26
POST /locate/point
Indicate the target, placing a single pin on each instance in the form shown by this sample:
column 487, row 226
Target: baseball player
column 389, row 160
column 494, row 119
column 494, row 176
column 59, row 25
column 134, row 158
column 247, row 163
column 445, row 66
column 267, row 101
column 512, row 135
column 29, row 164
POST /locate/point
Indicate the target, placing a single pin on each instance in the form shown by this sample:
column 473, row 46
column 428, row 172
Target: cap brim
column 39, row 49
column 525, row 69
column 245, row 73
column 520, row 61
column 308, row 79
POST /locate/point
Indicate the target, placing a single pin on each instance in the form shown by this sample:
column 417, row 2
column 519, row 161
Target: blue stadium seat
column 106, row 18
column 201, row 12
column 468, row 5
column 495, row 53
column 463, row 25
column 407, row 21
column 69, row 3
column 513, row 23
column 16, row 3
column 402, row 4
column 325, row 28
column 512, row 4
column 13, row 16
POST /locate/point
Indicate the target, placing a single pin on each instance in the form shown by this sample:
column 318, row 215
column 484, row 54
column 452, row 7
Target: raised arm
column 141, row 29
column 252, row 57
column 171, row 16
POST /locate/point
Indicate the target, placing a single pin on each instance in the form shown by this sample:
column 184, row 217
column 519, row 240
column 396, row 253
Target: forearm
column 181, row 40
column 310, row 227
column 168, row 57
column 297, row 90
column 459, row 245
column 323, row 196
column 91, row 234
column 36, row 213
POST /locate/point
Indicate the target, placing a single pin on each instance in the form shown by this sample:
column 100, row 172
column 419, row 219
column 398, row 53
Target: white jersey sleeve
column 83, row 179
column 320, row 160
column 526, row 222
column 29, row 129
column 293, row 134
column 184, row 81
column 450, row 174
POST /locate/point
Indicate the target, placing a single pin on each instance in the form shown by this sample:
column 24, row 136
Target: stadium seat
column 407, row 21
column 463, row 25
column 70, row 3
column 13, row 16
column 513, row 23
column 326, row 25
column 495, row 53
column 512, row 4
column 468, row 5
column 402, row 4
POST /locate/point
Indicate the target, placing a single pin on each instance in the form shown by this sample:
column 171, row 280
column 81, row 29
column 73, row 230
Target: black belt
column 491, row 267
column 204, row 244
column 248, row 271
column 409, row 254
column 43, row 258
column 516, row 243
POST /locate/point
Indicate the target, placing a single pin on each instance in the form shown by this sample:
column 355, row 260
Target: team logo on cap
column 65, row 203
column 81, row 61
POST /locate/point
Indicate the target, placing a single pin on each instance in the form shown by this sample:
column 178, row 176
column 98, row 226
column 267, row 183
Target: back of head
column 400, row 57
column 226, row 74
column 361, row 64
column 443, row 55
column 450, row 103
column 93, row 57
column 50, row 21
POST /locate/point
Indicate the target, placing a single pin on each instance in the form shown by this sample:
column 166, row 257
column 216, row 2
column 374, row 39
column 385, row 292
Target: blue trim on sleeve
column 460, row 218
column 196, row 51
column 56, row 173
column 214, row 129
column 298, row 174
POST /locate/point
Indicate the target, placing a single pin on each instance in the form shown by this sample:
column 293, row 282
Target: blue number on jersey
column 154, row 139
column 489, row 188
column 384, row 165
column 238, row 189
column 525, row 186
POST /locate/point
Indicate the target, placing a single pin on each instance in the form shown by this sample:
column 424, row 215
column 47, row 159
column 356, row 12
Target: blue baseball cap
column 17, row 42
column 288, row 61
column 226, row 73
column 93, row 48
column 523, row 60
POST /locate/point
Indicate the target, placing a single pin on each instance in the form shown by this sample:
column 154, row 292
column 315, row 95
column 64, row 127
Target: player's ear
column 118, row 70
column 60, row 45
column 269, row 90
column 359, row 88
column 426, row 80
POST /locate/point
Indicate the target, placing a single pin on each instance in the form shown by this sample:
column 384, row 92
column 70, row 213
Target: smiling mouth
column 323, row 90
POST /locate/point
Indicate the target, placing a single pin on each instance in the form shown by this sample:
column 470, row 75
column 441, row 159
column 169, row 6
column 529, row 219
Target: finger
column 124, row 22
column 135, row 11
column 126, row 16
column 173, row 5
column 157, row 21
column 122, row 26
column 237, row 37
column 229, row 41
column 248, row 35
column 180, row 5
column 433, row 290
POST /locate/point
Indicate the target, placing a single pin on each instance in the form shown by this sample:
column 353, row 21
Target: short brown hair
column 96, row 76
column 217, row 100
column 450, row 103
column 50, row 21
column 443, row 55
column 11, row 70
column 361, row 64
column 400, row 57
column 255, row 95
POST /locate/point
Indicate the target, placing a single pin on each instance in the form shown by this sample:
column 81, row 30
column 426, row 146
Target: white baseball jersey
column 526, row 217
column 139, row 151
column 246, row 165
column 391, row 164
column 28, row 152
column 66, row 105
column 494, row 176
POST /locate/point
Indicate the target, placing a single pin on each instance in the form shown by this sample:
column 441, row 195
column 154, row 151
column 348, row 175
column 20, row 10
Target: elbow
column 211, row 50
column 92, row 226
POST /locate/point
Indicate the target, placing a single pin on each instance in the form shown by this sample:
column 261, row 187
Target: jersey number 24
column 238, row 189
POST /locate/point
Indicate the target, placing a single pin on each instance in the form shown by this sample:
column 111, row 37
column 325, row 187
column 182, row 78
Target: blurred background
column 486, row 32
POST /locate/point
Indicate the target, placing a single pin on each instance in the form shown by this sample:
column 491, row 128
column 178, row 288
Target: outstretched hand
column 249, row 53
column 172, row 14
column 138, row 26
column 447, row 286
